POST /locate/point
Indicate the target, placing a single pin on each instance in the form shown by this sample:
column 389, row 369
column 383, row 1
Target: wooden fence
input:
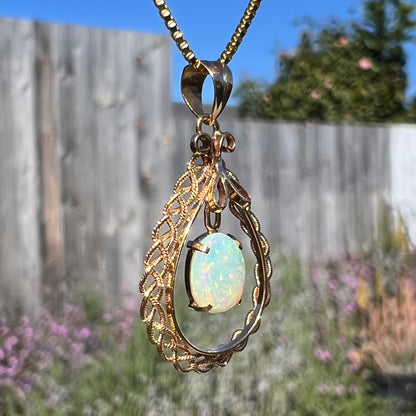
column 90, row 147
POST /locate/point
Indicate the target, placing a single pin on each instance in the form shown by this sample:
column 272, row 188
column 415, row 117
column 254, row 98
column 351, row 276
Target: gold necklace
column 214, row 270
column 232, row 45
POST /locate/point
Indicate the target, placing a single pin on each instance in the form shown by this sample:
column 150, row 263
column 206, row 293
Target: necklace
column 214, row 269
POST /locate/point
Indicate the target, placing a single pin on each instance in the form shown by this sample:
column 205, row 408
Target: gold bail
column 191, row 85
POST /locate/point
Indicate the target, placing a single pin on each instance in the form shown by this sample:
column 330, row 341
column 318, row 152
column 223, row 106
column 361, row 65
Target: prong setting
column 195, row 245
column 197, row 308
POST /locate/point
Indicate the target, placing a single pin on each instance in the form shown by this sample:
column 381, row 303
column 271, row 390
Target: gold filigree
column 157, row 284
column 205, row 182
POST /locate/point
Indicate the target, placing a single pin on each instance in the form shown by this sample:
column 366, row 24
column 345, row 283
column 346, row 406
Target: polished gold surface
column 192, row 83
column 183, row 45
column 206, row 183
column 199, row 186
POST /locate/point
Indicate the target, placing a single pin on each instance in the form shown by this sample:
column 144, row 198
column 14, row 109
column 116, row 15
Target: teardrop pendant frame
column 206, row 181
column 169, row 236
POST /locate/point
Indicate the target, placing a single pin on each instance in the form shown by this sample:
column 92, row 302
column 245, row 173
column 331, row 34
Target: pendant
column 215, row 269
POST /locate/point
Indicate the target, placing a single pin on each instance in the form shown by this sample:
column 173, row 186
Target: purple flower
column 84, row 333
column 315, row 278
column 14, row 366
column 46, row 318
column 26, row 386
column 12, row 361
column 8, row 381
column 60, row 330
column 24, row 320
column 77, row 348
column 71, row 310
column 323, row 388
column 323, row 354
column 365, row 272
column 2, row 354
column 350, row 281
column 4, row 330
column 23, row 354
column 350, row 307
column 124, row 326
column 340, row 390
column 10, row 343
column 28, row 333
column 333, row 285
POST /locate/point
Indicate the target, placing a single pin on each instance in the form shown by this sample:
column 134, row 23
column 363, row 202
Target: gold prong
column 240, row 246
column 194, row 245
column 197, row 308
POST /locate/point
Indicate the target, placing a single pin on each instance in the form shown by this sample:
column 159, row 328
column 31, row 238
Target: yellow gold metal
column 191, row 86
column 183, row 45
column 203, row 120
column 157, row 284
column 212, row 227
column 206, row 183
column 195, row 245
column 197, row 308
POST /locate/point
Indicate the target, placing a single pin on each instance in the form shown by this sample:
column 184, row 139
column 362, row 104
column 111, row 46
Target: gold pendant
column 207, row 182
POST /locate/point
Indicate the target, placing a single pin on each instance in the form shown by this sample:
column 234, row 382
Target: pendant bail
column 192, row 81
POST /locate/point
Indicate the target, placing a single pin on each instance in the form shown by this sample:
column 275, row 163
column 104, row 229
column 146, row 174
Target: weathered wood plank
column 20, row 250
column 51, row 220
column 104, row 156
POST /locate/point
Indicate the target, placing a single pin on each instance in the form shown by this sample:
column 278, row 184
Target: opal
column 217, row 277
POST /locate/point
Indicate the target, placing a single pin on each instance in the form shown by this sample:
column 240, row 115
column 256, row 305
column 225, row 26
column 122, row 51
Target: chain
column 183, row 45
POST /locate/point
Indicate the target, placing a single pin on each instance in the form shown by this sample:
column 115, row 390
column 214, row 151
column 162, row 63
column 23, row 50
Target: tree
column 345, row 72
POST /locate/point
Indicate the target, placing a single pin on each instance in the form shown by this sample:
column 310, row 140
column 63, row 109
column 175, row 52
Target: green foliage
column 116, row 384
column 92, row 304
column 344, row 72
column 276, row 374
column 296, row 365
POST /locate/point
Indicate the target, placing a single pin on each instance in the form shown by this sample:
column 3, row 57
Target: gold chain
column 183, row 45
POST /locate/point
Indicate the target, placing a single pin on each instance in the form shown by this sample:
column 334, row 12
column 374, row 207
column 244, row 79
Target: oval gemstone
column 217, row 277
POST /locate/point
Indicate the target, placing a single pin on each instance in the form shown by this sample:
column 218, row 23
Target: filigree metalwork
column 206, row 182
column 195, row 188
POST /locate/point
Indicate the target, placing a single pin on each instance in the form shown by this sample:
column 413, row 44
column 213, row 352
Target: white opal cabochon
column 217, row 278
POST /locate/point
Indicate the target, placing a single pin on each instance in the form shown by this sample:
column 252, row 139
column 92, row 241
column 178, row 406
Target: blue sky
column 207, row 26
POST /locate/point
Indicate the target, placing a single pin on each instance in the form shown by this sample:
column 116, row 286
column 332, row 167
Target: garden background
column 90, row 148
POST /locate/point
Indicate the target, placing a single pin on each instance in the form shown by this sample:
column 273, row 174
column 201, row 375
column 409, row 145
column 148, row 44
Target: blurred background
column 92, row 138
